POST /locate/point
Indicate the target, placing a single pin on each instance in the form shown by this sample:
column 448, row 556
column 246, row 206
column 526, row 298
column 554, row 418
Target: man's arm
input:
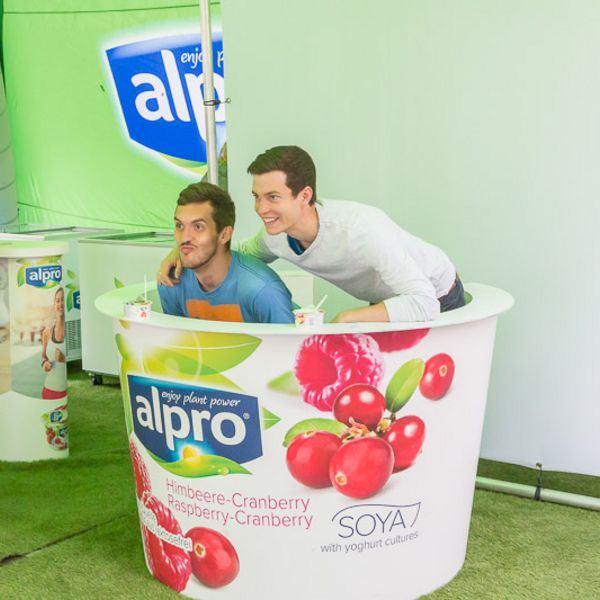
column 169, row 270
column 256, row 246
column 413, row 296
column 376, row 313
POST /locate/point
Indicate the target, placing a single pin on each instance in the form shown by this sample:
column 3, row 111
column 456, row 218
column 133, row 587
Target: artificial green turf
column 105, row 562
column 43, row 501
column 522, row 549
column 75, row 524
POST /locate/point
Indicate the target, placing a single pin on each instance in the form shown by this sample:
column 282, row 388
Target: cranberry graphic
column 140, row 472
column 169, row 564
column 214, row 560
column 405, row 436
column 309, row 455
column 326, row 364
column 359, row 402
column 361, row 467
column 391, row 341
column 59, row 443
column 437, row 377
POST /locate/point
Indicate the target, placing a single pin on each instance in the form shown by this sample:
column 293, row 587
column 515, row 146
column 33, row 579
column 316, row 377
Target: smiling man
column 219, row 284
column 355, row 246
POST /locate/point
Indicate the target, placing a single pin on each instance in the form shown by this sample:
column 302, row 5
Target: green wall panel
column 74, row 162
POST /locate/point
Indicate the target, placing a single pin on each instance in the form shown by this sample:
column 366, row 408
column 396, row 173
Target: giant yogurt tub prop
column 33, row 369
column 272, row 461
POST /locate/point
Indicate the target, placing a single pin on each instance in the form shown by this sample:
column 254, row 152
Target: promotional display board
column 71, row 271
column 263, row 451
column 33, row 372
column 133, row 71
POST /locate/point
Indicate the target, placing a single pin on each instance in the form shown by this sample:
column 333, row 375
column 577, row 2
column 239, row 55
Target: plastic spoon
column 320, row 302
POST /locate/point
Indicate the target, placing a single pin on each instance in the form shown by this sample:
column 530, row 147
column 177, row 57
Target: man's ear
column 226, row 234
column 306, row 194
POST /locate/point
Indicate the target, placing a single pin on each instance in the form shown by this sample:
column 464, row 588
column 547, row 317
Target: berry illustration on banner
column 215, row 562
column 169, row 564
column 405, row 436
column 437, row 377
column 326, row 364
column 309, row 455
column 393, row 341
column 140, row 471
column 361, row 467
column 359, row 403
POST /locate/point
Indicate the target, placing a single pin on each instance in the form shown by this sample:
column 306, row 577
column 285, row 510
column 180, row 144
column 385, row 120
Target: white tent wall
column 476, row 126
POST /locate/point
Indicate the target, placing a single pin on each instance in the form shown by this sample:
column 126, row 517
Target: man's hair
column 221, row 202
column 296, row 163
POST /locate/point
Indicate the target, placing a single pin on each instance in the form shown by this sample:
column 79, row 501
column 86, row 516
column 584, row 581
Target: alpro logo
column 160, row 90
column 43, row 276
column 176, row 421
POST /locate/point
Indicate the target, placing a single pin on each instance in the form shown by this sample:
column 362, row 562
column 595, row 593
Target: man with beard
column 218, row 284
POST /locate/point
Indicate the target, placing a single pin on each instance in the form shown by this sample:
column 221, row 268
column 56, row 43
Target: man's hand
column 376, row 313
column 170, row 261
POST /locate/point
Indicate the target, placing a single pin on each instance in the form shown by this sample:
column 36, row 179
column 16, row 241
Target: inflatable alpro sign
column 158, row 85
column 33, row 376
column 304, row 465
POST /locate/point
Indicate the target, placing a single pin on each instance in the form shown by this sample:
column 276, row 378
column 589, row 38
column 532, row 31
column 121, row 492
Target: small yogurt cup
column 137, row 309
column 308, row 317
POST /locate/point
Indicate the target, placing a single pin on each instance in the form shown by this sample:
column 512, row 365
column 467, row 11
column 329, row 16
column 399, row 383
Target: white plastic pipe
column 209, row 92
column 529, row 491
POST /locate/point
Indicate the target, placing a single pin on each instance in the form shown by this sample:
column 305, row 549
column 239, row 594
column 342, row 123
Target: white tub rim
column 487, row 302
column 10, row 248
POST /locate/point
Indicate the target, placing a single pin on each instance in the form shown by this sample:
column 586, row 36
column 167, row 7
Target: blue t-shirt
column 251, row 293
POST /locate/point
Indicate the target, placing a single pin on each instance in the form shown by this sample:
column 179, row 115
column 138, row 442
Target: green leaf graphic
column 122, row 346
column 313, row 425
column 128, row 365
column 118, row 283
column 286, row 384
column 70, row 301
column 21, row 276
column 201, row 465
column 154, row 368
column 199, row 353
column 268, row 418
column 403, row 384
column 71, row 274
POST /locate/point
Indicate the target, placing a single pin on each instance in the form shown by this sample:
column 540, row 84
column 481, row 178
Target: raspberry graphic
column 326, row 364
column 391, row 341
column 169, row 564
column 140, row 472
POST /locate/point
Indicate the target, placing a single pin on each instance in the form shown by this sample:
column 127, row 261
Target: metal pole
column 209, row 92
column 529, row 491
